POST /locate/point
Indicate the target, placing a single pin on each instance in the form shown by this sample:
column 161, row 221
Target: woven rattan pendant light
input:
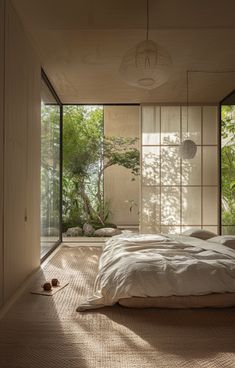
column 146, row 65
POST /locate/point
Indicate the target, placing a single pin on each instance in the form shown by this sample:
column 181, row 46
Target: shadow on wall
column 162, row 199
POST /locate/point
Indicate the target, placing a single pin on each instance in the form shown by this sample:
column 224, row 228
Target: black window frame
column 57, row 99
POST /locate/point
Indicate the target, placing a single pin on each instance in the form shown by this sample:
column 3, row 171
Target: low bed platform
column 165, row 271
column 215, row 300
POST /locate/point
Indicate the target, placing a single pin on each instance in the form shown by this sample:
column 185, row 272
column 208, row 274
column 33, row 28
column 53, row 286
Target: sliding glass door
column 50, row 168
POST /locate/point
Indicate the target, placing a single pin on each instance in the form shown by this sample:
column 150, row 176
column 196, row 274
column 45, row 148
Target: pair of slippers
column 47, row 286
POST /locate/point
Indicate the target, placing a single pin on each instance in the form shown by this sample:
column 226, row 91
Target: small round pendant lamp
column 188, row 148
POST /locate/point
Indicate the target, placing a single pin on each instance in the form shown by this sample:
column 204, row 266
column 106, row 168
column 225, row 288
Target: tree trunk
column 100, row 193
column 86, row 201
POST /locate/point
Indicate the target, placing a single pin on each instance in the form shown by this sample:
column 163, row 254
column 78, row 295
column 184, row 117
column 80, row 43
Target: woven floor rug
column 48, row 332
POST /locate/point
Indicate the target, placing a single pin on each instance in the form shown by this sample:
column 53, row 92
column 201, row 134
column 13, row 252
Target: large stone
column 107, row 231
column 74, row 231
column 88, row 230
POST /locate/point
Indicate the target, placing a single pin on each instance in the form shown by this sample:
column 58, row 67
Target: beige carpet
column 48, row 332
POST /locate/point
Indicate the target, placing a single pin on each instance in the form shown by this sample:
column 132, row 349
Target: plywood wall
column 118, row 185
column 21, row 156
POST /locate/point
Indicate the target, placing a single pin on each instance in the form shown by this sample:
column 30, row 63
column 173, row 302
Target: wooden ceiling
column 81, row 44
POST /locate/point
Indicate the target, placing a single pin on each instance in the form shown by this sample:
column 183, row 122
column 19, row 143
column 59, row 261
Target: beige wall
column 118, row 186
column 21, row 156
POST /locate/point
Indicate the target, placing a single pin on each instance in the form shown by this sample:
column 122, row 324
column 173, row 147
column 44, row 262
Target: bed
column 167, row 271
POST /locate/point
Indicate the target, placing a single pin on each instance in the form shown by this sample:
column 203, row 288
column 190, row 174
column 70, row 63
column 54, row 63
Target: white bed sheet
column 159, row 265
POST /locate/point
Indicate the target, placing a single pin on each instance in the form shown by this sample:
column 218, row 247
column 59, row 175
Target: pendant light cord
column 147, row 20
column 187, row 97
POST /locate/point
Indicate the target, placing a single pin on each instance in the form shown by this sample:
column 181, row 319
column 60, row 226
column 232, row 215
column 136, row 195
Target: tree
column 228, row 165
column 87, row 154
column 50, row 156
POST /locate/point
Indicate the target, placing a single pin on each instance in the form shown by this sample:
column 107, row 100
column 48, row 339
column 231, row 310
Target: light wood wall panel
column 1, row 141
column 22, row 156
column 33, row 170
column 118, row 185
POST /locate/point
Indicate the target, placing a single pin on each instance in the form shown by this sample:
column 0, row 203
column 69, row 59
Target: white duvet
column 158, row 265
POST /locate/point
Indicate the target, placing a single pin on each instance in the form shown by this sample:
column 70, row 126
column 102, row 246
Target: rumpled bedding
column 134, row 265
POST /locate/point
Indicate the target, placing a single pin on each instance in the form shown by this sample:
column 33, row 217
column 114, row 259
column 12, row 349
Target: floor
column 85, row 239
column 47, row 332
column 48, row 243
column 46, row 248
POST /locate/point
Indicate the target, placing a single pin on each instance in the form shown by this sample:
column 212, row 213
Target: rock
column 107, row 231
column 88, row 230
column 74, row 231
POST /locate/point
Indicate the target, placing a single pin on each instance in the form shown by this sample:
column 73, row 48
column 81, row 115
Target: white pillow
column 228, row 240
column 199, row 233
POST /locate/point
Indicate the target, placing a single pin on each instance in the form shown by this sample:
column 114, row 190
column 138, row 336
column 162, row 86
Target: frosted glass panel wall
column 177, row 194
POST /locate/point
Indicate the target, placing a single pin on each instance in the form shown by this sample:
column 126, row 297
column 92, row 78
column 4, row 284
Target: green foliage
column 50, row 156
column 132, row 203
column 82, row 135
column 227, row 121
column 121, row 151
column 86, row 154
column 228, row 164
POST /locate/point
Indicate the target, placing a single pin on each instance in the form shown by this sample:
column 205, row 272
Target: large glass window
column 100, row 170
column 228, row 168
column 82, row 168
column 50, row 169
